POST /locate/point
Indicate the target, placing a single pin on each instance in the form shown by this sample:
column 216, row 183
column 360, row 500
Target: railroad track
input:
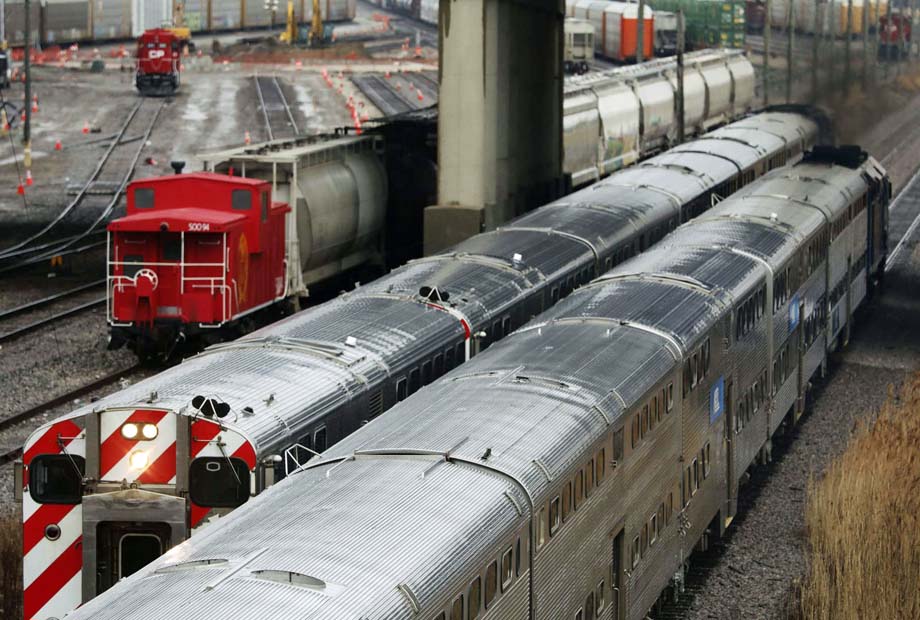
column 57, row 401
column 80, row 226
column 33, row 306
column 383, row 95
column 428, row 84
column 276, row 112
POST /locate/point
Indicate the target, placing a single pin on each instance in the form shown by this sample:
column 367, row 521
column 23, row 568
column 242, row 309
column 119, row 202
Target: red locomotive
column 159, row 61
column 894, row 37
column 194, row 255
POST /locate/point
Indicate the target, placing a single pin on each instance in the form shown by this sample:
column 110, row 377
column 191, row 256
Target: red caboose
column 194, row 255
column 158, row 62
column 894, row 37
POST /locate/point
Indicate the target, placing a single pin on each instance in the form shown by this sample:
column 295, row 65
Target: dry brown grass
column 10, row 567
column 863, row 521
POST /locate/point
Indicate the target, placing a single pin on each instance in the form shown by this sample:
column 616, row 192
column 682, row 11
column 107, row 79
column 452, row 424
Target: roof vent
column 516, row 258
column 297, row 579
column 191, row 565
column 177, row 166
column 351, row 341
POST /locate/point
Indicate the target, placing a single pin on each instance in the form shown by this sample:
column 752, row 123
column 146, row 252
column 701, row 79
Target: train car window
column 554, row 294
column 643, row 424
column 143, row 198
column 438, row 365
column 656, row 410
column 653, row 530
column 131, row 270
column 426, row 373
column 461, row 353
column 171, row 246
column 474, row 599
column 589, row 607
column 580, row 615
column 617, row 454
column 507, row 574
column 264, row 197
column 456, row 609
column 706, row 462
column 319, row 440
column 635, row 552
column 554, row 516
column 651, row 417
column 57, row 478
column 600, row 465
column 644, row 547
column 241, row 200
column 506, row 325
column 541, row 527
column 669, row 508
column 686, row 378
column 440, row 616
column 608, row 264
column 670, row 399
column 589, row 477
column 517, row 557
column 401, row 389
column 414, row 381
column 601, row 602
column 635, row 431
column 491, row 583
column 448, row 359
column 696, row 476
column 566, row 500
column 218, row 482
column 579, row 489
column 693, row 371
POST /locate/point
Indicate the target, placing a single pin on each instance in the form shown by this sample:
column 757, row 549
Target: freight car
column 198, row 254
column 115, row 483
column 579, row 46
column 158, row 62
column 615, row 118
column 832, row 17
column 66, row 21
column 423, row 10
column 616, row 27
column 570, row 471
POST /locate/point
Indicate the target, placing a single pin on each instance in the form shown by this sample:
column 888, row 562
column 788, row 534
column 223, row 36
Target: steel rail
column 44, row 301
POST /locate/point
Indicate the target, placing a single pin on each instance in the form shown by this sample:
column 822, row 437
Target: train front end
column 106, row 492
column 194, row 253
column 158, row 62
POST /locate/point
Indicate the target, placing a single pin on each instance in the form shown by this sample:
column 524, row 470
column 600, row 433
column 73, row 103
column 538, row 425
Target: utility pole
column 887, row 44
column 681, row 42
column 640, row 36
column 790, row 42
column 846, row 47
column 815, row 42
column 27, row 126
column 865, row 27
column 832, row 40
column 3, row 21
column 767, row 31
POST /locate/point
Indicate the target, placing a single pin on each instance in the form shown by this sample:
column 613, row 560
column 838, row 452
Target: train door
column 123, row 548
column 617, row 594
column 848, row 280
column 732, row 488
column 802, row 379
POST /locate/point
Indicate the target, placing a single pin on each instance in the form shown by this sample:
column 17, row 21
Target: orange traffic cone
column 29, row 177
column 421, row 97
column 34, row 107
column 20, row 190
column 22, row 116
column 58, row 146
column 85, row 127
column 247, row 139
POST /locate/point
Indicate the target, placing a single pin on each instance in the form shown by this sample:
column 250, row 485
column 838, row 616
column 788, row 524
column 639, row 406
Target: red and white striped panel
column 52, row 578
column 115, row 451
column 206, row 437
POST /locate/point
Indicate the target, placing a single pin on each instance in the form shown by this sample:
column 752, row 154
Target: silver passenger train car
column 112, row 485
column 568, row 472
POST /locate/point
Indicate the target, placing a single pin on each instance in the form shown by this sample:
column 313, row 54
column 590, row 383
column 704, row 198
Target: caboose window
column 241, row 200
column 143, row 198
column 218, row 482
column 57, row 479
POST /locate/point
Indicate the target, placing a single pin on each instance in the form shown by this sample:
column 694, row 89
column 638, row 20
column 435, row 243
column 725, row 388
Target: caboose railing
column 118, row 282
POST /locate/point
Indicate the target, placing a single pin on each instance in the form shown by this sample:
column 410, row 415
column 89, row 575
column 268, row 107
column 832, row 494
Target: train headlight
column 149, row 431
column 129, row 431
column 138, row 460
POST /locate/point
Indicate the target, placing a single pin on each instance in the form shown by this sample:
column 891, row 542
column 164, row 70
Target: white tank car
column 614, row 118
column 337, row 189
column 570, row 470
column 113, row 484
